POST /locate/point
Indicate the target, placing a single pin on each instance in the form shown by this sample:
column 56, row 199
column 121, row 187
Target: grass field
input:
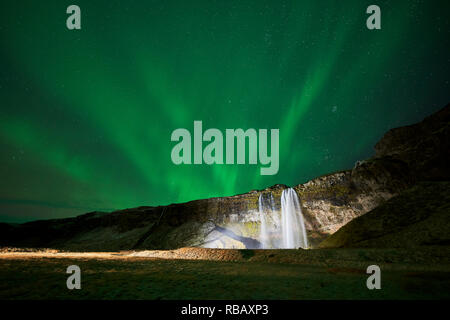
column 421, row 273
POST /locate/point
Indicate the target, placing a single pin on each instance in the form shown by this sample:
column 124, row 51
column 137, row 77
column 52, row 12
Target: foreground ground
column 188, row 273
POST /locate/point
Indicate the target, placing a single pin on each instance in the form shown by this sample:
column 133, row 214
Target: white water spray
column 292, row 223
column 266, row 210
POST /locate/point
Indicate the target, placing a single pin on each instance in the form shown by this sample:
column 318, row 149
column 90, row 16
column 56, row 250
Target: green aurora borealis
column 86, row 115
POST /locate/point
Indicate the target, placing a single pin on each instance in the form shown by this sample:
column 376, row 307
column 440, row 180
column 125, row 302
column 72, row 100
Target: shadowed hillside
column 417, row 217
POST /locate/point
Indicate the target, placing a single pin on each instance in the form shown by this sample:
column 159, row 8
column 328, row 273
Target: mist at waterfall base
column 278, row 226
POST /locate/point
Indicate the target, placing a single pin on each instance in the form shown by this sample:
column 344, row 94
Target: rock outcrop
column 404, row 157
column 418, row 216
column 424, row 147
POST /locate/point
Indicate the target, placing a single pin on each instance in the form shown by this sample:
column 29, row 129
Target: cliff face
column 328, row 203
column 331, row 201
column 418, row 216
column 403, row 157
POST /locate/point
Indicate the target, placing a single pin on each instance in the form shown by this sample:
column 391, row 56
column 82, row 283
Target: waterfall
column 285, row 229
column 266, row 208
column 278, row 229
column 292, row 224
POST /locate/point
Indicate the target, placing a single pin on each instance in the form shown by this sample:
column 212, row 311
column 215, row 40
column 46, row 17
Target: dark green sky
column 86, row 116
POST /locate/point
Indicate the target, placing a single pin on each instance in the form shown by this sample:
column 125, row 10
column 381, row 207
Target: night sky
column 86, row 115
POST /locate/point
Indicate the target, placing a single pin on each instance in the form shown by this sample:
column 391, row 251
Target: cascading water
column 288, row 232
column 292, row 223
column 280, row 226
column 266, row 210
